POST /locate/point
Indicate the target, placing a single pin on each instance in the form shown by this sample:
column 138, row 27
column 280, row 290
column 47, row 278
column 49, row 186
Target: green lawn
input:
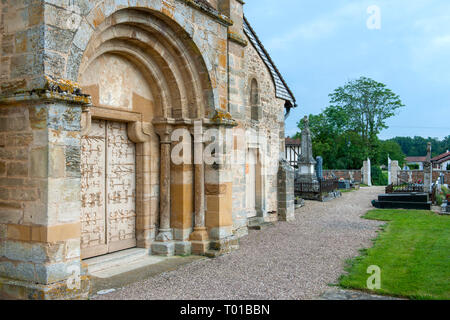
column 413, row 253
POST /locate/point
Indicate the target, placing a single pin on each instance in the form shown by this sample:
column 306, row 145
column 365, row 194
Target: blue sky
column 319, row 45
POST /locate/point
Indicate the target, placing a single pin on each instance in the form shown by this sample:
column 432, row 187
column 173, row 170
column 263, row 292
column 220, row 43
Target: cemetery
column 310, row 183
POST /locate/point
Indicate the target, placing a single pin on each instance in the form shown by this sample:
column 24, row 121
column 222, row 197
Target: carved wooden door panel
column 107, row 190
column 120, row 188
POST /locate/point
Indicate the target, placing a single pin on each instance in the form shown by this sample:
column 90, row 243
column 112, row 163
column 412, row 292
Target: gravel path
column 288, row 261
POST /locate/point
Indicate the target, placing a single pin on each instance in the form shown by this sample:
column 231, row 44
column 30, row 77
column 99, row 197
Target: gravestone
column 413, row 201
column 367, row 173
column 395, row 170
column 344, row 184
column 319, row 168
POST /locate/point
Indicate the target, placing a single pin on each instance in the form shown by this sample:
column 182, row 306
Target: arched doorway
column 145, row 76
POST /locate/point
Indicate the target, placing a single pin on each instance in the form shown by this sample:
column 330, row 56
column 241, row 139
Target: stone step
column 404, row 197
column 115, row 259
column 402, row 205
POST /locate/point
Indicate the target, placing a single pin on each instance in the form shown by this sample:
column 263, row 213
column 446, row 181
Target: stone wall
column 270, row 125
column 32, row 49
column 353, row 175
column 39, row 198
column 413, row 176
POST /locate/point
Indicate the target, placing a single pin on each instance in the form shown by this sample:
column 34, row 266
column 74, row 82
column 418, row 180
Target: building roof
column 416, row 159
column 442, row 157
column 293, row 142
column 281, row 88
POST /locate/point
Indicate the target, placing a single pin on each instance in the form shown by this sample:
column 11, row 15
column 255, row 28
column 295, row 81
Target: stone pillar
column 286, row 201
column 199, row 238
column 367, row 173
column 182, row 188
column 164, row 244
column 394, row 172
column 219, row 190
column 40, row 186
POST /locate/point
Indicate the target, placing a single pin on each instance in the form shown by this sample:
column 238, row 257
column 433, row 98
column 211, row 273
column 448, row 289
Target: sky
column 319, row 45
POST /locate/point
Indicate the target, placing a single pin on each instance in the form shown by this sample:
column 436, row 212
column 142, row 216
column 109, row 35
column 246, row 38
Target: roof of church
column 281, row 88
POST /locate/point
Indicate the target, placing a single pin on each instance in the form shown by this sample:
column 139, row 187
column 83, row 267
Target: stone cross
column 428, row 170
column 306, row 162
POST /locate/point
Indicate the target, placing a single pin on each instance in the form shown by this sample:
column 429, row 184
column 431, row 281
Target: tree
column 369, row 104
column 417, row 146
column 345, row 133
column 389, row 149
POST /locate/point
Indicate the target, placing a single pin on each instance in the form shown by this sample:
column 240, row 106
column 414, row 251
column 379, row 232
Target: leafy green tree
column 345, row 133
column 417, row 146
column 368, row 104
column 378, row 178
column 392, row 149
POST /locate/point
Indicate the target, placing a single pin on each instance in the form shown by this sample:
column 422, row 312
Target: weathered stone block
column 163, row 248
column 39, row 163
column 183, row 248
column 17, row 169
column 57, row 162
column 10, row 212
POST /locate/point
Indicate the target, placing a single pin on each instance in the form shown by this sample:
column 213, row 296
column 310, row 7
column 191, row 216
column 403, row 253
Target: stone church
column 91, row 96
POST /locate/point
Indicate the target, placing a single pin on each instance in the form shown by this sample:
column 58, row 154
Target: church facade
column 155, row 124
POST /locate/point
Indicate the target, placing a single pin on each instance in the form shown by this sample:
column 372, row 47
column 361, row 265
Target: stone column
column 199, row 238
column 219, row 192
column 164, row 244
column 182, row 188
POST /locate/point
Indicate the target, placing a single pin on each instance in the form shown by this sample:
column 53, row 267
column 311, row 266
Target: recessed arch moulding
column 144, row 62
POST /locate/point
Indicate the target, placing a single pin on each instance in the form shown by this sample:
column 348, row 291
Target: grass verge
column 413, row 253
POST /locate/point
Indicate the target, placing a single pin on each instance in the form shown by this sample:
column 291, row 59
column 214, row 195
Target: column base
column 183, row 248
column 200, row 241
column 166, row 249
column 24, row 290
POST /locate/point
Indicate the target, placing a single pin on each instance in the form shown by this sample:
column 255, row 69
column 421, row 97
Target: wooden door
column 108, row 171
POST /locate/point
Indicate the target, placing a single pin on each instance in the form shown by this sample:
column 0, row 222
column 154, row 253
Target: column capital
column 164, row 130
